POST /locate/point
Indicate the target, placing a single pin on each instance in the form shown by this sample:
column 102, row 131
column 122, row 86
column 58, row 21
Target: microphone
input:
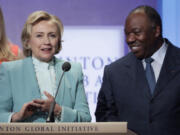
column 65, row 67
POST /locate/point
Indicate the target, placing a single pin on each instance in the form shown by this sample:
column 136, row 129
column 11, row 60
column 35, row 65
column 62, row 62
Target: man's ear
column 157, row 31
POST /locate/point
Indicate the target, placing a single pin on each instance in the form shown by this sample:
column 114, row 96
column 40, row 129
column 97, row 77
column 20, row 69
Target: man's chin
column 138, row 56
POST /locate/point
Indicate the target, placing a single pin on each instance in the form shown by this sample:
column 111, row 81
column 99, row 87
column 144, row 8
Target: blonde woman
column 27, row 98
column 8, row 51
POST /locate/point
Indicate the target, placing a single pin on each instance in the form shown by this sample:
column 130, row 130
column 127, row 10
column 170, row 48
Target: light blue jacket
column 18, row 85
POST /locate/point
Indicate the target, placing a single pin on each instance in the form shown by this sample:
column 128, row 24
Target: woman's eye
column 53, row 35
column 38, row 35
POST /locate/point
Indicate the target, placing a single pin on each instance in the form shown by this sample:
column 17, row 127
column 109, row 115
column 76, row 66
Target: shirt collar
column 43, row 65
column 159, row 55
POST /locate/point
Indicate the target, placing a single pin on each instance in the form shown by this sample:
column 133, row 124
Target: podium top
column 85, row 128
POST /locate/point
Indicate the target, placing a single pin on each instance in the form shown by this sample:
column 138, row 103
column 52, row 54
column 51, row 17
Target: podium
column 83, row 128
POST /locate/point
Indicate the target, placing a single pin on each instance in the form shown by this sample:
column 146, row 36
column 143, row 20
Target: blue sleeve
column 5, row 94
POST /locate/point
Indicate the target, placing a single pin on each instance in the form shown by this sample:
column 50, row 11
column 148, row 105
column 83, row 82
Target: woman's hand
column 30, row 108
column 45, row 104
column 26, row 111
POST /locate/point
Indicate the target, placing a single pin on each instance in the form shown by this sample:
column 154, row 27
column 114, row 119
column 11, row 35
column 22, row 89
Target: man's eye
column 137, row 32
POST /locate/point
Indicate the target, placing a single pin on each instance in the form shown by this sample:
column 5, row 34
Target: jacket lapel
column 136, row 73
column 59, row 72
column 31, row 80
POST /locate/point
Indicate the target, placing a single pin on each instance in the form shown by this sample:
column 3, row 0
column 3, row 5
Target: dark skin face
column 141, row 37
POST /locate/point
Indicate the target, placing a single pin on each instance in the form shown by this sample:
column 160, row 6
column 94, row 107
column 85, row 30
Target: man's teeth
column 135, row 47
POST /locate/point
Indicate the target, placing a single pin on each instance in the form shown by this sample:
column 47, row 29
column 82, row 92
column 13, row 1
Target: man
column 127, row 93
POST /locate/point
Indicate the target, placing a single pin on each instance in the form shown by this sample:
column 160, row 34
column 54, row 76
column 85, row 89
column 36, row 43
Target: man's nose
column 130, row 38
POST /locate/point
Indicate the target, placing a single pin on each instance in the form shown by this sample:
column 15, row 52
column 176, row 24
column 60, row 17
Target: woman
column 28, row 86
column 8, row 51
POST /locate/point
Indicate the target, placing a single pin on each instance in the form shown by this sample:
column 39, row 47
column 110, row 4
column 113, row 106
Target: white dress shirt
column 46, row 78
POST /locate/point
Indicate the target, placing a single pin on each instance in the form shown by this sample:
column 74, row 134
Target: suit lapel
column 130, row 70
column 136, row 73
column 30, row 79
column 170, row 68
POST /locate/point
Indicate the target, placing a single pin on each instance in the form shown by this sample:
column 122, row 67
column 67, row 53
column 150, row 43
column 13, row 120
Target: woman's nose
column 46, row 40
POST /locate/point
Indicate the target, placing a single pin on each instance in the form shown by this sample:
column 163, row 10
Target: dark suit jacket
column 125, row 95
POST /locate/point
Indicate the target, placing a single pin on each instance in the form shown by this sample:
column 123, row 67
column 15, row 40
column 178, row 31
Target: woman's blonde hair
column 32, row 20
column 5, row 52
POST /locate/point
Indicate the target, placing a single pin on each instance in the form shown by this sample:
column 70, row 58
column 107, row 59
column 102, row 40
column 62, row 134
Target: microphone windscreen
column 66, row 66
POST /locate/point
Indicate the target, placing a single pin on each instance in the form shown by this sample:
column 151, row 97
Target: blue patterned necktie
column 150, row 74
